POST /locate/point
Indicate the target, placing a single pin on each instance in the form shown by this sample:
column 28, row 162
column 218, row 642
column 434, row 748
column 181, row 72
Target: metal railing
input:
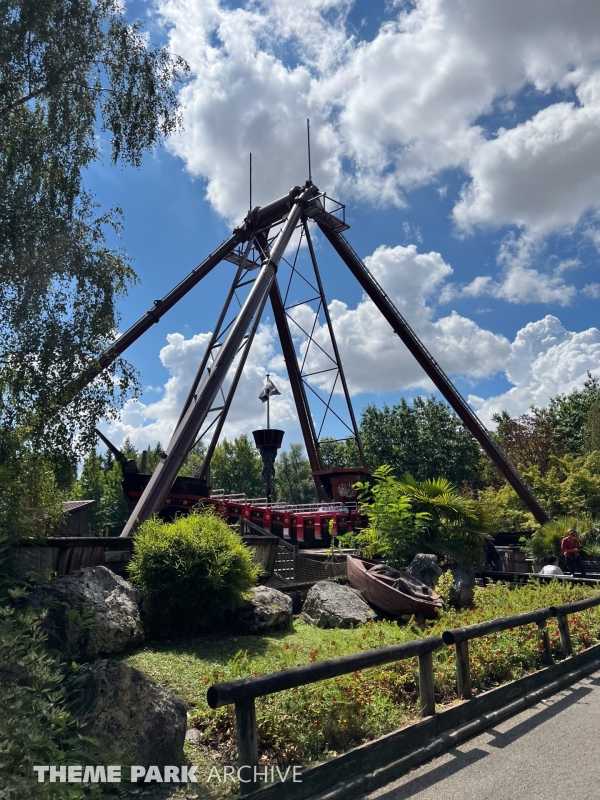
column 243, row 692
column 291, row 508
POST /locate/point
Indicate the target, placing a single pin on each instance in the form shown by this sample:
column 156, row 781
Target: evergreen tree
column 194, row 461
column 425, row 439
column 236, row 467
column 109, row 512
column 293, row 478
column 153, row 457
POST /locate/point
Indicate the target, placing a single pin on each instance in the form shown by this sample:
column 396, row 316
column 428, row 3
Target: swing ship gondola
column 309, row 525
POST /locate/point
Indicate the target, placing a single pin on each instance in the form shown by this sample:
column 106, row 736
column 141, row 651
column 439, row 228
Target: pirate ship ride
column 263, row 273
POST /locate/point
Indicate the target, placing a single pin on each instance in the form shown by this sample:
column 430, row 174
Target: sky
column 463, row 138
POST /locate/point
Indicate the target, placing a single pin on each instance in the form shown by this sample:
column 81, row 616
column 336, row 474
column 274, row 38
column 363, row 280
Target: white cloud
column 545, row 360
column 520, row 282
column 244, row 98
column 591, row 290
column 374, row 357
column 394, row 112
column 522, row 285
column 146, row 424
column 542, row 175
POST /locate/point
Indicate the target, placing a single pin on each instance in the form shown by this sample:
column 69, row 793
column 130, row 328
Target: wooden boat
column 395, row 595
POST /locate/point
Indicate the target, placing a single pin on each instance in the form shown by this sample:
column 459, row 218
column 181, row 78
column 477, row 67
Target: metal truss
column 320, row 366
column 301, row 315
column 231, row 338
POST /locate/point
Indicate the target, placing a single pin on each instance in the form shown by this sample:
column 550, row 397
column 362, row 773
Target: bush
column 36, row 725
column 571, row 485
column 394, row 530
column 505, row 511
column 192, row 571
column 408, row 517
column 546, row 540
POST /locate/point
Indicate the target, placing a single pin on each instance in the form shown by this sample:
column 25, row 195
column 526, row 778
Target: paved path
column 549, row 752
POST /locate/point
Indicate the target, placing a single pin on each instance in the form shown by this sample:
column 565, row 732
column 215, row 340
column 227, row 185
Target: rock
column 193, row 735
column 265, row 609
column 331, row 605
column 91, row 612
column 126, row 712
column 424, row 567
column 463, row 589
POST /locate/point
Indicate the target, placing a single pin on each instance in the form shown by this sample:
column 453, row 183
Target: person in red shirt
column 571, row 550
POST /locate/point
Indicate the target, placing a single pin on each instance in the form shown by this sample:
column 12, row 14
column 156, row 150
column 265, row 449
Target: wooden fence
column 243, row 692
column 65, row 554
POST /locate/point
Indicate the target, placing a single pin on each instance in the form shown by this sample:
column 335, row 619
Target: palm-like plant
column 409, row 516
column 394, row 528
column 456, row 530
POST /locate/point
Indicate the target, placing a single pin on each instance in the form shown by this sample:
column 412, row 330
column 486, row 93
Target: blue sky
column 464, row 139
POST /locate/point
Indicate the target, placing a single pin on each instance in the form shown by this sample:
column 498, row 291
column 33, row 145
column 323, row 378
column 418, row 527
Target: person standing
column 571, row 550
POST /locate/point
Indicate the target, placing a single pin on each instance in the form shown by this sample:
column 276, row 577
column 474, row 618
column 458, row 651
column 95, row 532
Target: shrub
column 546, row 540
column 394, row 529
column 408, row 517
column 504, row 511
column 36, row 724
column 31, row 703
column 444, row 586
column 571, row 485
column 192, row 571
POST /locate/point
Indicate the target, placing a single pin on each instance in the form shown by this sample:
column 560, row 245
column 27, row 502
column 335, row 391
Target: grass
column 314, row 722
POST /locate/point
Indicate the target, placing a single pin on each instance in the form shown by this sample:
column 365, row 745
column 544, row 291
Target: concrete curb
column 375, row 764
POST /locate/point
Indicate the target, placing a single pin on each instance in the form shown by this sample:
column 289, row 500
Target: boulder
column 91, row 612
column 463, row 588
column 127, row 713
column 424, row 567
column 265, row 609
column 331, row 605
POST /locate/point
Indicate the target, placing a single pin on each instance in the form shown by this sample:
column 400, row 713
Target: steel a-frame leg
column 118, row 347
column 187, row 431
column 446, row 388
column 336, row 352
column 241, row 274
column 220, row 420
column 307, row 427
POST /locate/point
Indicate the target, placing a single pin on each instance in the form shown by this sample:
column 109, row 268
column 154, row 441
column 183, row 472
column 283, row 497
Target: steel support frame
column 220, row 421
column 262, row 219
column 217, row 332
column 434, row 371
column 258, row 219
column 307, row 427
column 151, row 317
column 334, row 345
column 187, row 431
